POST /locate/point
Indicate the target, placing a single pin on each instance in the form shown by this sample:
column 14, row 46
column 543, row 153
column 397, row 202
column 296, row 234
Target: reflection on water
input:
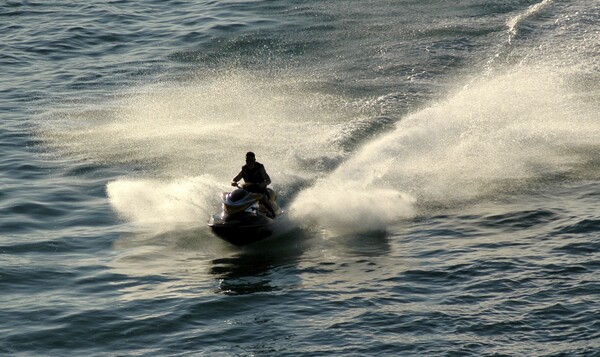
column 190, row 263
column 255, row 268
column 194, row 263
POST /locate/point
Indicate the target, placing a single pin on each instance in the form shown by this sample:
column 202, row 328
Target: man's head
column 250, row 157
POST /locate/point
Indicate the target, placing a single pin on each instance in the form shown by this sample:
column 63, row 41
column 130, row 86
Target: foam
column 188, row 139
column 494, row 136
column 163, row 205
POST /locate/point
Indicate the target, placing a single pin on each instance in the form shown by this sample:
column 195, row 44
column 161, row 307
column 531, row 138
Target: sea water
column 438, row 162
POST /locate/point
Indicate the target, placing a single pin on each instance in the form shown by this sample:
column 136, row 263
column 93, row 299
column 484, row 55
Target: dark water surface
column 439, row 162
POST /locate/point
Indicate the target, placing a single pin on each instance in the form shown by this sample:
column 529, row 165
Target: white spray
column 493, row 136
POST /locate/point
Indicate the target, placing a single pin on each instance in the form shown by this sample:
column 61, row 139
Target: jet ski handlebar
column 244, row 186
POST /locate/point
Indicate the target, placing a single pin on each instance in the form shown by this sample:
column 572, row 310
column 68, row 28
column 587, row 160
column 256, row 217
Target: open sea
column 439, row 162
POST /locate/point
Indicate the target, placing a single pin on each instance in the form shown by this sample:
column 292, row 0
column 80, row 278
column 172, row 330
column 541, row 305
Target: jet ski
column 243, row 219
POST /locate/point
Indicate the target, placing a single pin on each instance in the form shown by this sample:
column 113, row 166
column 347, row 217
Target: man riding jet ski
column 248, row 213
column 256, row 180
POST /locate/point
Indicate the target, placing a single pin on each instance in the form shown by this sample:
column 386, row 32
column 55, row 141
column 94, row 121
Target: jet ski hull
column 241, row 231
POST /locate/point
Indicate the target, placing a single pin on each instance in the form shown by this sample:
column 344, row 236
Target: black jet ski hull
column 242, row 231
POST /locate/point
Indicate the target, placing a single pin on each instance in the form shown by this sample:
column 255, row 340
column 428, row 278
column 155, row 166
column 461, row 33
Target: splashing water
column 189, row 139
column 494, row 136
column 163, row 206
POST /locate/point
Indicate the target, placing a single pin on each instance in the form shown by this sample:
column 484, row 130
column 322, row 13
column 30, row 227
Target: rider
column 256, row 180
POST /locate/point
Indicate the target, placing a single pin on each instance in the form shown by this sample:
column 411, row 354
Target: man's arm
column 235, row 180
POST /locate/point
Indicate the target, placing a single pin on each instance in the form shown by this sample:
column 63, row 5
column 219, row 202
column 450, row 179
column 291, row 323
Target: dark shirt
column 254, row 175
